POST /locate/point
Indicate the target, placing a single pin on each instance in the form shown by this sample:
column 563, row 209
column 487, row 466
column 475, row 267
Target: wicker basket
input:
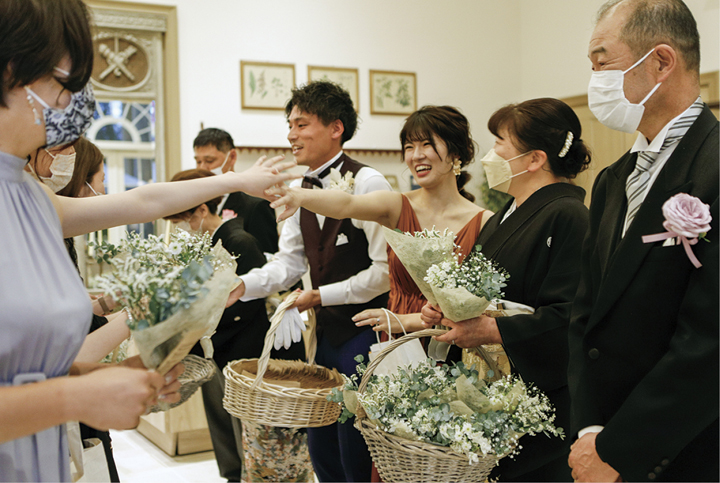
column 198, row 371
column 293, row 394
column 399, row 459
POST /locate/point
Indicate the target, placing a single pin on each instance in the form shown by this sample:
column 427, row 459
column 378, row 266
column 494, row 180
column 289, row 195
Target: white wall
column 474, row 54
column 555, row 35
column 458, row 49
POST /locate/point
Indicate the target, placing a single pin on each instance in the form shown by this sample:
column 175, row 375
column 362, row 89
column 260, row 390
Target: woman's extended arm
column 101, row 342
column 150, row 202
column 379, row 206
column 115, row 398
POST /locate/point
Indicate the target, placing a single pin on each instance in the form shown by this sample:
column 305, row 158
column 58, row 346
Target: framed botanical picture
column 346, row 77
column 392, row 92
column 265, row 85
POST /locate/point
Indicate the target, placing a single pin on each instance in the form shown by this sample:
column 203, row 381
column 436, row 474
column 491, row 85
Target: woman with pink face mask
column 46, row 58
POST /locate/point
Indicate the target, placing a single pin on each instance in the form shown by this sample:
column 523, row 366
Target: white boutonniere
column 688, row 219
column 339, row 182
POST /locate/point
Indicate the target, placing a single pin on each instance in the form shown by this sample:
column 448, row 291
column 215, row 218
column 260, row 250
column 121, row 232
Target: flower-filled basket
column 288, row 394
column 430, row 423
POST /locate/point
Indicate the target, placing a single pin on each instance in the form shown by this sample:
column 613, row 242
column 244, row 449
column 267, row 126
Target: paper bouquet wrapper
column 458, row 304
column 418, row 254
column 167, row 343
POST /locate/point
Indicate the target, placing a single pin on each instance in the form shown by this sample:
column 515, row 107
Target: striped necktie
column 637, row 182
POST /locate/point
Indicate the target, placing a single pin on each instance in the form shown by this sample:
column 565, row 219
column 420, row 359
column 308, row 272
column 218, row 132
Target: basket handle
column 270, row 337
column 398, row 342
column 489, row 361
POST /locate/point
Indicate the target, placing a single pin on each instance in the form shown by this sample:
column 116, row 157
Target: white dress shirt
column 290, row 262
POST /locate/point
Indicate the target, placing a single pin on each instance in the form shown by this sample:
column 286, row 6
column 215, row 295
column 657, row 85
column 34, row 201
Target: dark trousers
column 338, row 452
column 225, row 430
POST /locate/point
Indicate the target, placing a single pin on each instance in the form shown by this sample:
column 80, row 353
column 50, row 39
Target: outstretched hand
column 264, row 174
column 282, row 195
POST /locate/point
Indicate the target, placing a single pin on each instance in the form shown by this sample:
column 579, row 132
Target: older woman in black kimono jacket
column 537, row 238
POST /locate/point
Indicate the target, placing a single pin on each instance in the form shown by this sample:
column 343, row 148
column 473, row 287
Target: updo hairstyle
column 452, row 127
column 543, row 124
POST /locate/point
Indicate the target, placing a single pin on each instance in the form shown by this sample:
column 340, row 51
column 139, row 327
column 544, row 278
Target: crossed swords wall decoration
column 116, row 60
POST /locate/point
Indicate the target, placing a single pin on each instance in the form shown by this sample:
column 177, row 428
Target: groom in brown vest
column 347, row 259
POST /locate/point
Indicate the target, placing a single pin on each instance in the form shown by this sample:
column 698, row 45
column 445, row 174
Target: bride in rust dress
column 436, row 145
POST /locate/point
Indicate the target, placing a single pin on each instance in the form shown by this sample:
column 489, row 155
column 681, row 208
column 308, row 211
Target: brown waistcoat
column 330, row 263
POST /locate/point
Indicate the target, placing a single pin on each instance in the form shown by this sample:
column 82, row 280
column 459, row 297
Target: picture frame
column 347, row 77
column 393, row 93
column 266, row 85
column 393, row 180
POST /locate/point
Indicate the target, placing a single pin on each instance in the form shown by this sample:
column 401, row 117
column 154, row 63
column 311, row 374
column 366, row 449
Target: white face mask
column 498, row 171
column 607, row 101
column 93, row 189
column 219, row 169
column 185, row 226
column 61, row 171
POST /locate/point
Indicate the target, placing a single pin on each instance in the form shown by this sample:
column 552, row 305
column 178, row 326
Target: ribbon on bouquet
column 686, row 242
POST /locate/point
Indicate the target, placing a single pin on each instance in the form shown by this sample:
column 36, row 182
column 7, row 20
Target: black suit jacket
column 240, row 334
column 644, row 326
column 539, row 245
column 258, row 218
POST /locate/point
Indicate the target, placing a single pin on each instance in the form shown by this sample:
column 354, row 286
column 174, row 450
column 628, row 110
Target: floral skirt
column 275, row 454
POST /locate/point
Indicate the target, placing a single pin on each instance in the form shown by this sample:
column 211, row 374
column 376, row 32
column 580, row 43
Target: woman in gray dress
column 45, row 100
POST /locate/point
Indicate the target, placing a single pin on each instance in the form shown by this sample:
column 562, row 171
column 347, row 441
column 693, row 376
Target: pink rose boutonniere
column 687, row 218
column 228, row 215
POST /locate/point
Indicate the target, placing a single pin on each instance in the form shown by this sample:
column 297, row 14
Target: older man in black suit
column 643, row 369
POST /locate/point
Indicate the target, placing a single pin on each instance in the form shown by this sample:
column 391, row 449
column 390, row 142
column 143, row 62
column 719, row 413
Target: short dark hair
column 543, row 124
column 653, row 22
column 35, row 35
column 329, row 102
column 88, row 162
column 212, row 136
column 195, row 174
column 450, row 125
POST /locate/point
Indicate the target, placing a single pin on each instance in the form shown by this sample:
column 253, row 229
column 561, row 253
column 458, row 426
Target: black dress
column 539, row 245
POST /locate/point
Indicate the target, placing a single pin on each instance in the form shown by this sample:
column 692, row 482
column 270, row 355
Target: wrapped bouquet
column 419, row 251
column 464, row 290
column 175, row 294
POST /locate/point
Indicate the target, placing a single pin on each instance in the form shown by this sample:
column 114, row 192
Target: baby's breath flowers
column 478, row 275
column 451, row 406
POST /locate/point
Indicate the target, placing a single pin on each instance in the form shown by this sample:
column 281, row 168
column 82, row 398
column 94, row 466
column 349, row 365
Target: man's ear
column 231, row 159
column 338, row 128
column 665, row 62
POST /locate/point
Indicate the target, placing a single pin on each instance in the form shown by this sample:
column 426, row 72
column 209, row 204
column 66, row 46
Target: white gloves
column 289, row 330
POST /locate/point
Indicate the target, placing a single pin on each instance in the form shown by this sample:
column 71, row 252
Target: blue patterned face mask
column 63, row 126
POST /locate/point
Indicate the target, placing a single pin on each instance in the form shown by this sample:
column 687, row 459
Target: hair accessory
column 457, row 167
column 566, row 147
column 31, row 101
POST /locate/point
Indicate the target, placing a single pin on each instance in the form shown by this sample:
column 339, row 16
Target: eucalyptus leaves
column 451, row 406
